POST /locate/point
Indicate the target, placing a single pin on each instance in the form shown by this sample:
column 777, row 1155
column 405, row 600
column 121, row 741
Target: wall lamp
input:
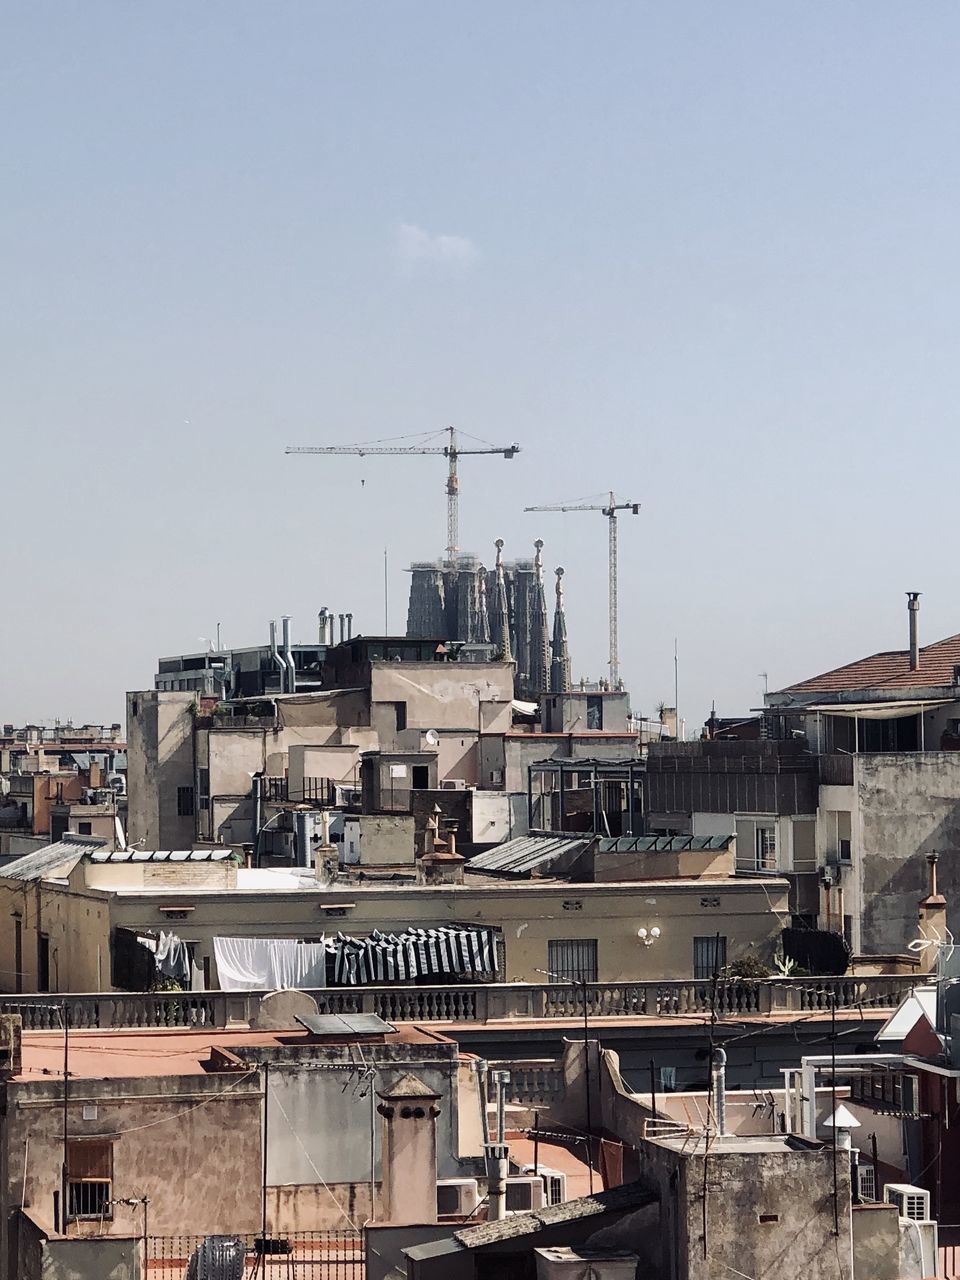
column 648, row 936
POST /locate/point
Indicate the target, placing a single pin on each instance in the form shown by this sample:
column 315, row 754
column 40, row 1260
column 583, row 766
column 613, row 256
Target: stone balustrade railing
column 471, row 1004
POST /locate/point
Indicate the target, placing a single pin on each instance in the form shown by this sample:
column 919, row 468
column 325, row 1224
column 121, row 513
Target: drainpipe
column 720, row 1089
column 257, row 782
column 274, row 654
column 913, row 611
column 497, row 1156
column 288, row 656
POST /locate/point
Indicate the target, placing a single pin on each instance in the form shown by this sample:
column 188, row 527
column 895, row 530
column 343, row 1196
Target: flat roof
column 116, row 1055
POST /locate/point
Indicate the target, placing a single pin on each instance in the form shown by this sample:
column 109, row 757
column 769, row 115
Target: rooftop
column 889, row 670
column 64, row 855
column 125, row 1055
column 525, row 854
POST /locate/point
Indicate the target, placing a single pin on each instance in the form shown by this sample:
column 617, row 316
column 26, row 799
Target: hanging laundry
column 174, row 959
column 270, row 964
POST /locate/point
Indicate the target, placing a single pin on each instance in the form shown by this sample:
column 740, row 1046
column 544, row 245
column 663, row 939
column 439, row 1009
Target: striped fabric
column 412, row 954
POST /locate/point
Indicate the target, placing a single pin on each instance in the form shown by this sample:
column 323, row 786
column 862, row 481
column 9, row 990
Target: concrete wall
column 386, row 839
column 159, row 760
column 42, row 1258
column 711, row 864
column 907, row 805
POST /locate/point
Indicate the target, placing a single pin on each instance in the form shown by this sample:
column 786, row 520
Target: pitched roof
column 525, row 854
column 63, row 855
column 633, row 1195
column 889, row 670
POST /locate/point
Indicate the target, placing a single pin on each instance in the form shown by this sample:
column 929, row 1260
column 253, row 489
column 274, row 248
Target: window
column 84, row 828
column 574, row 959
column 134, row 708
column 400, row 710
column 594, row 712
column 184, row 802
column 766, row 848
column 89, row 1178
column 43, row 962
column 203, row 789
column 709, row 956
column 421, row 777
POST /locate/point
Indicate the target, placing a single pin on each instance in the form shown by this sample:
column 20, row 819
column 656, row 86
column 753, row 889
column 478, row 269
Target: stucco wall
column 76, row 923
column 189, row 1143
column 159, row 760
column 744, row 911
column 908, row 805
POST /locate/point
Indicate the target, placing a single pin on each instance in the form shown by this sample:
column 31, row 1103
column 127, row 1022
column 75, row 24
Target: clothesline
column 250, row 964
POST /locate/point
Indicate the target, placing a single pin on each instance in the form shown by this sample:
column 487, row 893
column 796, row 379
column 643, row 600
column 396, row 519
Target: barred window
column 89, row 1178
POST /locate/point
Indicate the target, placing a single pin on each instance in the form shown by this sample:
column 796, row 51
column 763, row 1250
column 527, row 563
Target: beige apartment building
column 68, row 907
column 193, row 764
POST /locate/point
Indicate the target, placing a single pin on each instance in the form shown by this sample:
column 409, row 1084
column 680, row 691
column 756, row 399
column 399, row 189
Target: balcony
column 472, row 1004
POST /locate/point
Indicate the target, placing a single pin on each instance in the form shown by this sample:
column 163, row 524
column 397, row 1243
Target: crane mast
column 452, row 451
column 608, row 509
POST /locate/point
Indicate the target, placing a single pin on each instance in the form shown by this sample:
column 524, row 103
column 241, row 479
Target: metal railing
column 308, row 1255
column 471, row 1004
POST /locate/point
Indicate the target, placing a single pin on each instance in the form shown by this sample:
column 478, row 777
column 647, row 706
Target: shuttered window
column 574, row 959
column 709, row 955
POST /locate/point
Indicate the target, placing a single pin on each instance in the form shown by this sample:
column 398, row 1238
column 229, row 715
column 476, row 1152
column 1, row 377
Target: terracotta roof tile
column 890, row 670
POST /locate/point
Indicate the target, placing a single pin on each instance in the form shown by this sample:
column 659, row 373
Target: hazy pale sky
column 704, row 254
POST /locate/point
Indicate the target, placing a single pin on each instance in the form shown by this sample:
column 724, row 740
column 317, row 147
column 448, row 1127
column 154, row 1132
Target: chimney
column 349, row 626
column 287, row 655
column 913, row 610
column 933, row 919
column 408, row 1189
column 341, row 616
column 322, row 626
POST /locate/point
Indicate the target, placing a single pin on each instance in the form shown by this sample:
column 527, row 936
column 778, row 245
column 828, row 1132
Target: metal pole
column 386, row 600
column 676, row 689
column 373, row 1147
column 66, row 1104
column 263, row 1187
column 653, row 1089
column 536, row 1142
column 833, row 1094
column 586, row 1077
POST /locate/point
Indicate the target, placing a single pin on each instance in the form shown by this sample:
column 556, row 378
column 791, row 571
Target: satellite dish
column 432, row 738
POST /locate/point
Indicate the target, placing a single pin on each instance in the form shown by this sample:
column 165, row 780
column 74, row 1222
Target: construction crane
column 451, row 451
column 609, row 509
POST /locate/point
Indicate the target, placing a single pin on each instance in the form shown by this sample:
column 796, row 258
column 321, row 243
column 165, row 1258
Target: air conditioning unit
column 525, row 1193
column 911, row 1202
column 554, row 1183
column 457, row 1197
column 453, row 784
